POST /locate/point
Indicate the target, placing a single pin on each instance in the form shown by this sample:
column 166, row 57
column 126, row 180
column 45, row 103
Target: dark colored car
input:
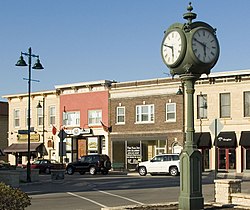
column 90, row 163
column 46, row 165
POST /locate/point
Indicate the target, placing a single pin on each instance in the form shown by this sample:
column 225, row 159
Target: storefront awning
column 226, row 140
column 1, row 153
column 203, row 140
column 23, row 147
column 245, row 138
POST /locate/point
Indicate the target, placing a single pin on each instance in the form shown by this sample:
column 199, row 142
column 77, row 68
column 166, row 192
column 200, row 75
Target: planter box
column 34, row 174
column 10, row 177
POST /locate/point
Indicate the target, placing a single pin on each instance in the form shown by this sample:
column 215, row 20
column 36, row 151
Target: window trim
column 225, row 105
column 245, row 110
column 172, row 119
column 151, row 115
column 122, row 115
column 40, row 116
column 51, row 115
column 16, row 118
column 77, row 120
column 97, row 122
column 202, row 106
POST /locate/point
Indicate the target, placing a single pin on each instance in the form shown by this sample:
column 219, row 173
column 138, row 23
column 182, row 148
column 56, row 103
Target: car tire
column 70, row 170
column 47, row 170
column 92, row 170
column 142, row 171
column 173, row 171
column 107, row 164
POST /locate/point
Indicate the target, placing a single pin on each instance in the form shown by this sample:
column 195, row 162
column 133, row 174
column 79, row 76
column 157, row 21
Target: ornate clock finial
column 189, row 16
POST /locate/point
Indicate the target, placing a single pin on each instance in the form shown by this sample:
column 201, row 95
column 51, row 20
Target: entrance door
column 82, row 147
column 226, row 158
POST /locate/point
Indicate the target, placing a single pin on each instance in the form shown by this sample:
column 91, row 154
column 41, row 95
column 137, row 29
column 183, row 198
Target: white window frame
column 71, row 118
column 52, row 115
column 119, row 115
column 225, row 105
column 40, row 116
column 140, row 113
column 170, row 112
column 202, row 106
column 94, row 117
column 16, row 118
column 26, row 114
column 246, row 96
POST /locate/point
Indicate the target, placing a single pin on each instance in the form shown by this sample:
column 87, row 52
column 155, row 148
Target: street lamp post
column 37, row 65
column 39, row 106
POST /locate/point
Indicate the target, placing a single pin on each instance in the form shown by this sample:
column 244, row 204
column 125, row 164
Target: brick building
column 4, row 115
column 146, row 118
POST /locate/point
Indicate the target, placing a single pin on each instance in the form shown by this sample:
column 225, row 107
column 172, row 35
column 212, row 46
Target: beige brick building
column 225, row 96
column 17, row 135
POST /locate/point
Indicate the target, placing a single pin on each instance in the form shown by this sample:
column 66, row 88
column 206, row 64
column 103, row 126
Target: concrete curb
column 172, row 206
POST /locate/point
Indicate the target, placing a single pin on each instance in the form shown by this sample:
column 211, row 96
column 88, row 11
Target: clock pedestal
column 199, row 52
column 190, row 159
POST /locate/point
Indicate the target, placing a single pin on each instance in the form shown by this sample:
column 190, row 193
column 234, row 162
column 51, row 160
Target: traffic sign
column 62, row 134
column 216, row 127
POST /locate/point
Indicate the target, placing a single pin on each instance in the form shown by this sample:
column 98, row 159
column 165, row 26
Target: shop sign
column 224, row 139
column 133, row 152
column 93, row 144
column 34, row 137
column 78, row 131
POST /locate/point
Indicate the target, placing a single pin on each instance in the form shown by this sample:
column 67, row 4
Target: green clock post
column 190, row 50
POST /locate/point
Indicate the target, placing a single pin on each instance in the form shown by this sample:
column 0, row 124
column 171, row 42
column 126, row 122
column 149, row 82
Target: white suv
column 163, row 163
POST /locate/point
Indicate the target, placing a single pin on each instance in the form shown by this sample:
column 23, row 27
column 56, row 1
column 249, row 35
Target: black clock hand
column 203, row 45
column 171, row 47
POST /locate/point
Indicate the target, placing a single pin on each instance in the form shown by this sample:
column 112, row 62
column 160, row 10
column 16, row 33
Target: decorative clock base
column 191, row 187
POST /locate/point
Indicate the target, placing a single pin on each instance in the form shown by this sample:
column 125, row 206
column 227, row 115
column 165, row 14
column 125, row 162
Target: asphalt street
column 86, row 192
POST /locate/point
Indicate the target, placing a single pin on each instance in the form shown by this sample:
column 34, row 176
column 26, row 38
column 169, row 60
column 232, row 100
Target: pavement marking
column 92, row 201
column 134, row 201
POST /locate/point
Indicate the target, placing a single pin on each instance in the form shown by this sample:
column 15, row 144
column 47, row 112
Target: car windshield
column 37, row 162
column 54, row 162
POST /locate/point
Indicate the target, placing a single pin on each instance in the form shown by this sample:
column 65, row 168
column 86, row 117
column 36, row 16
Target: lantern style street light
column 39, row 106
column 38, row 66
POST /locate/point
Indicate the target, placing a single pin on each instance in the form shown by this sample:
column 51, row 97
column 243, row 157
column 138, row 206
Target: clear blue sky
column 87, row 40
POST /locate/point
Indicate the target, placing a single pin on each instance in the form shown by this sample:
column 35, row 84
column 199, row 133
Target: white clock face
column 205, row 46
column 171, row 47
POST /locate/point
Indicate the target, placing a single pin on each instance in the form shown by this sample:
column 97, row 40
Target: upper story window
column 202, row 107
column 94, row 117
column 120, row 115
column 145, row 113
column 52, row 115
column 225, row 105
column 16, row 117
column 40, row 116
column 71, row 118
column 171, row 112
column 247, row 104
column 27, row 116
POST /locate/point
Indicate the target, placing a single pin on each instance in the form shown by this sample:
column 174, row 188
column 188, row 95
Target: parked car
column 4, row 165
column 163, row 163
column 90, row 163
column 46, row 165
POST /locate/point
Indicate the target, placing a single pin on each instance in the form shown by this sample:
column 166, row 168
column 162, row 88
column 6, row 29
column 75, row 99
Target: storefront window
column 247, row 158
column 133, row 154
